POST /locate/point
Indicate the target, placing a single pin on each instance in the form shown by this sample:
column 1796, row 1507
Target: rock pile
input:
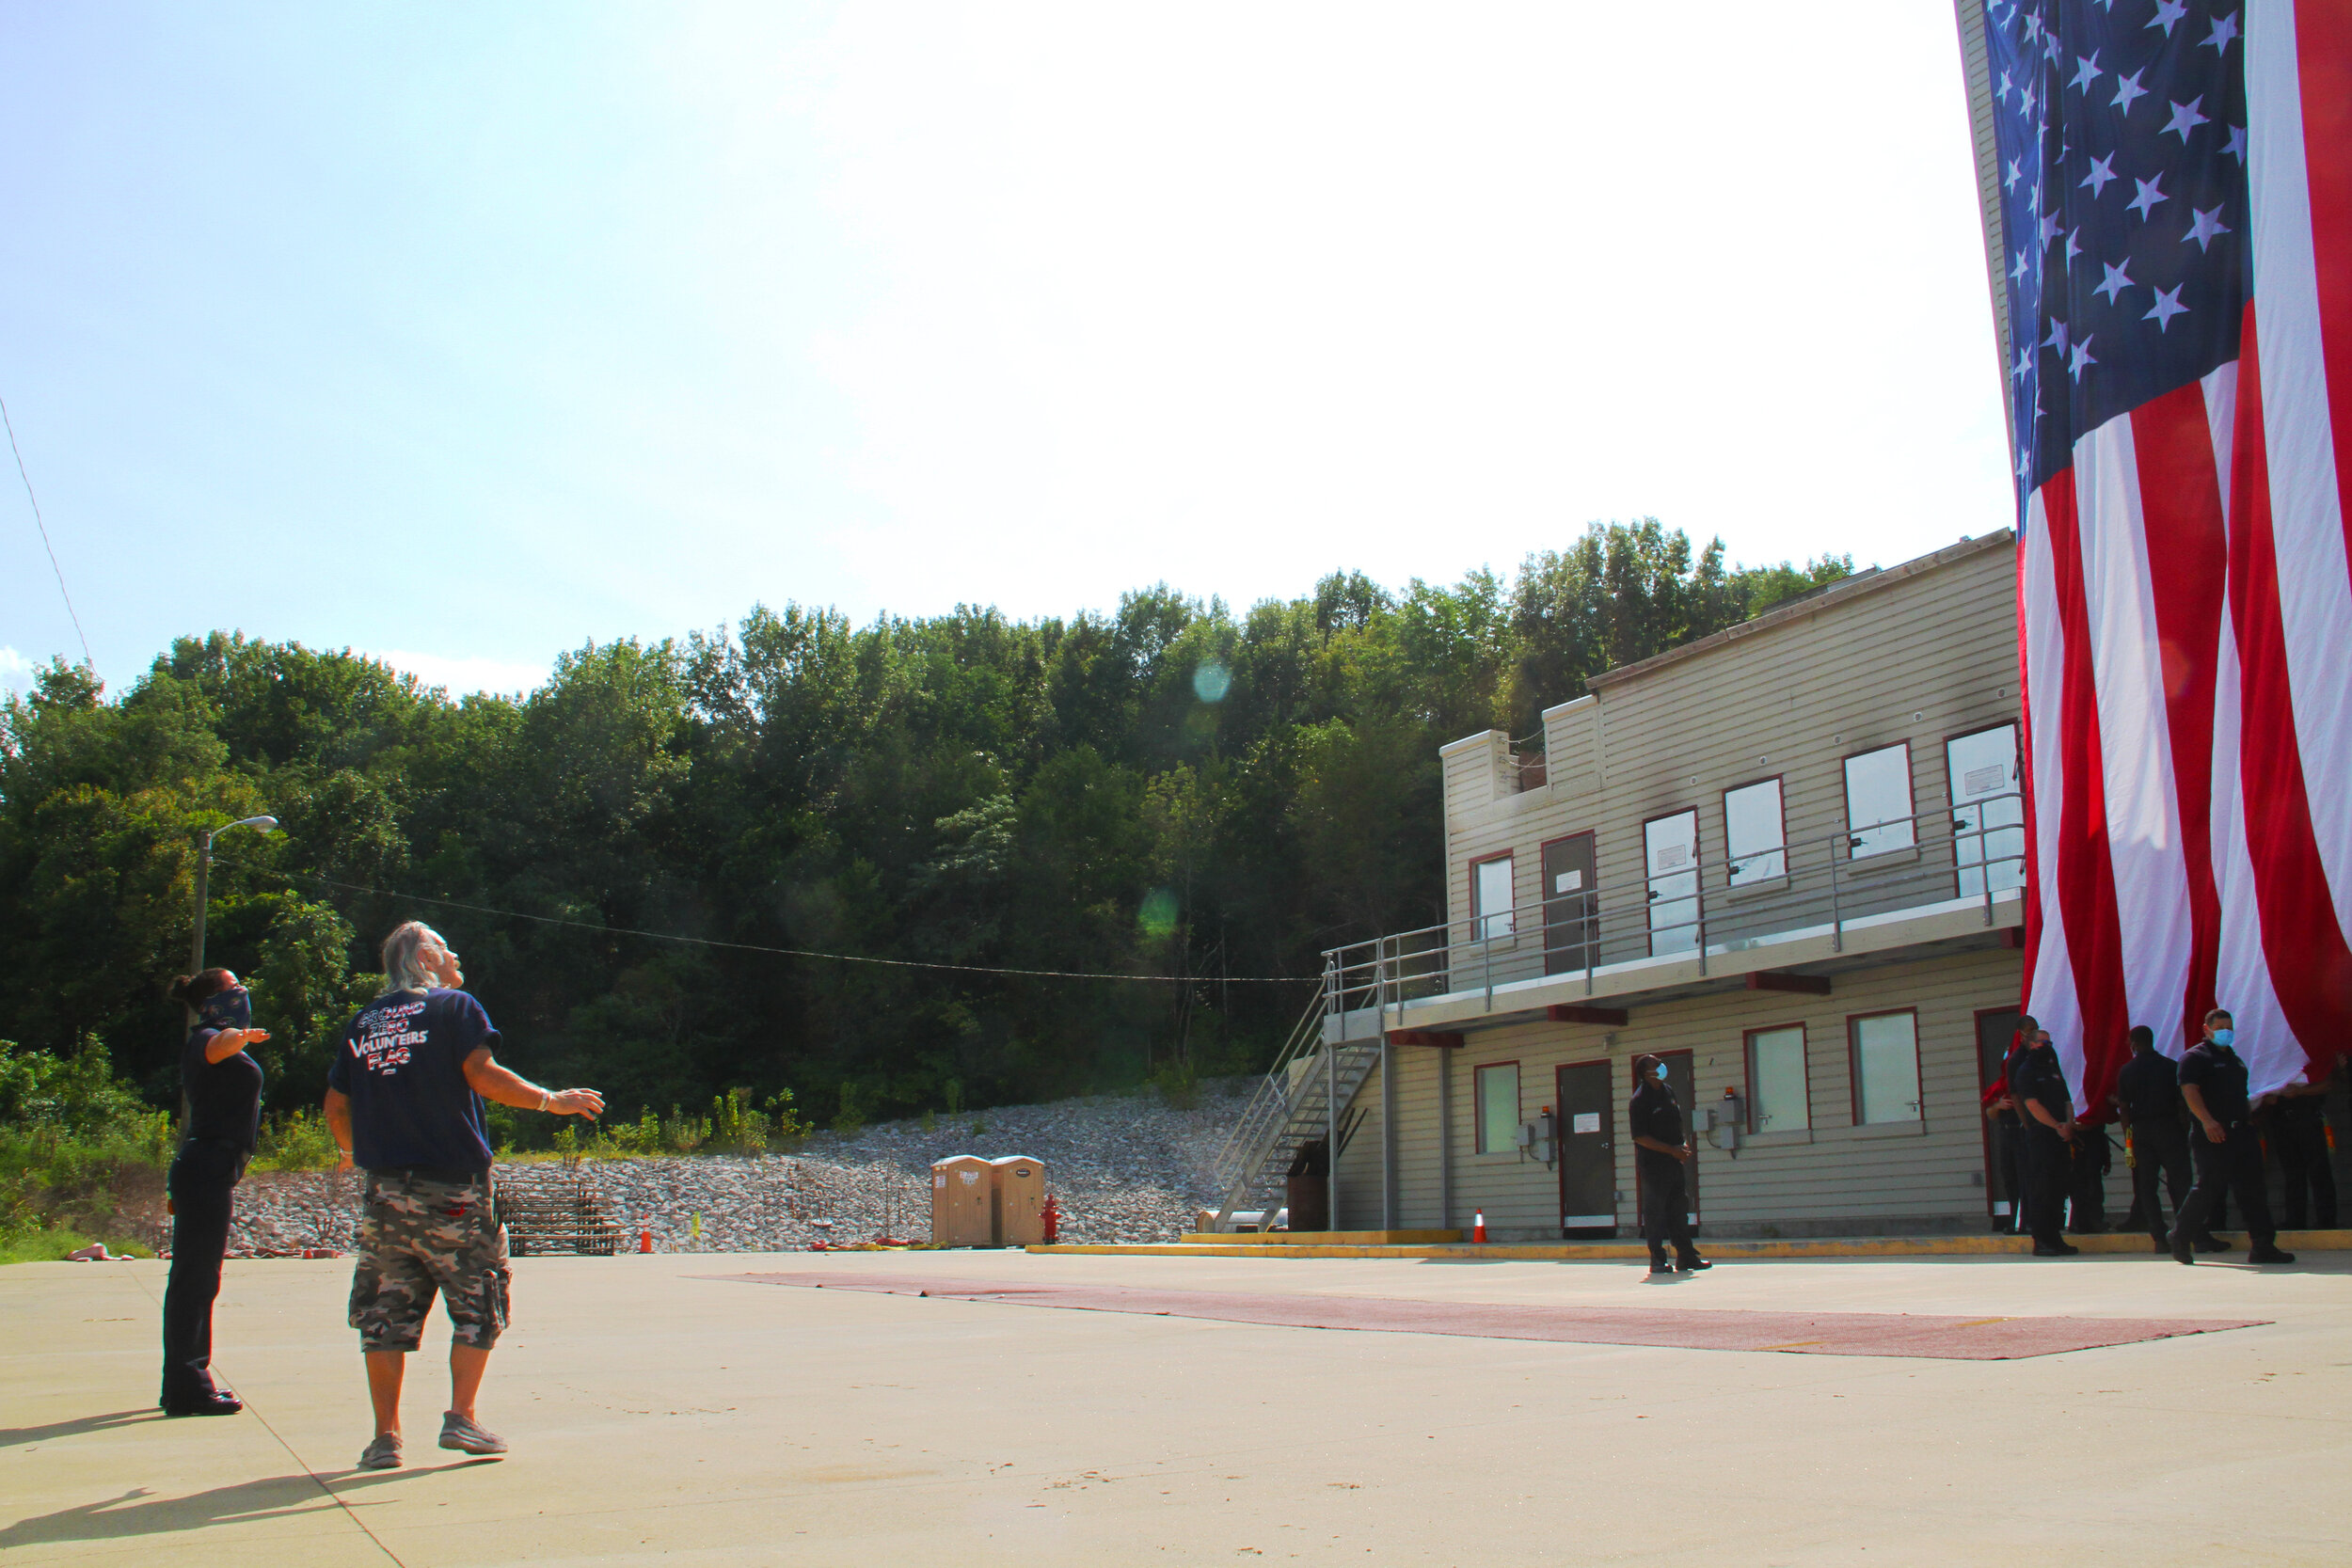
column 1123, row 1170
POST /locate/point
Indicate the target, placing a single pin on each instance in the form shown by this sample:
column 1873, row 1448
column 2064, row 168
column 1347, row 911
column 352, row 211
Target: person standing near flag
column 2225, row 1149
column 2046, row 1108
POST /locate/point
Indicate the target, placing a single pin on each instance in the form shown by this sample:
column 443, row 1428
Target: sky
column 465, row 335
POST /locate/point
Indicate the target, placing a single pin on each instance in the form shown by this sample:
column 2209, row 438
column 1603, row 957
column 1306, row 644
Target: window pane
column 1671, row 844
column 1753, row 833
column 1493, row 893
column 1878, row 801
column 1887, row 1066
column 1776, row 1081
column 1498, row 1109
column 1988, row 814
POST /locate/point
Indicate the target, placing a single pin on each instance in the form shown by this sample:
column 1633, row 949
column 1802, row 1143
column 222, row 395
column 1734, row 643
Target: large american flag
column 2175, row 229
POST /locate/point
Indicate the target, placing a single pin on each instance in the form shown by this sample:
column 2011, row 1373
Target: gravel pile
column 1122, row 1169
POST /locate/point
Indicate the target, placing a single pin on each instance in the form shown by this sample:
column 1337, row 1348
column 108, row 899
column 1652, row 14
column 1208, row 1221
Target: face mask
column 2223, row 1037
column 227, row 1009
column 1661, row 1073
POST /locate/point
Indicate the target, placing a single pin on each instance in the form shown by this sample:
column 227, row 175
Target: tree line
column 1173, row 793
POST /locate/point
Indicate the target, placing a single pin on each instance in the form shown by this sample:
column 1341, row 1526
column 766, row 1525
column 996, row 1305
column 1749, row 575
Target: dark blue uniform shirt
column 2219, row 1074
column 402, row 1061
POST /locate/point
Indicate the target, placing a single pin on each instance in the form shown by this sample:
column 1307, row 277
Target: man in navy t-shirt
column 404, row 1098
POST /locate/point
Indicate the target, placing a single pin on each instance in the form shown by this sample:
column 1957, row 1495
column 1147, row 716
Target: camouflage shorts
column 418, row 1238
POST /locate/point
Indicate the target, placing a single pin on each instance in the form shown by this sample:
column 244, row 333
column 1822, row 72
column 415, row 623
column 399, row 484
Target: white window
column 1777, row 1098
column 1878, row 801
column 1490, row 899
column 1498, row 1108
column 1988, row 813
column 1753, row 835
column 1671, row 844
column 1886, row 1067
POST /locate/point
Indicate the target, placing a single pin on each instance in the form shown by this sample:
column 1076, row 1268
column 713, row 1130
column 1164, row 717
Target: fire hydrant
column 1051, row 1216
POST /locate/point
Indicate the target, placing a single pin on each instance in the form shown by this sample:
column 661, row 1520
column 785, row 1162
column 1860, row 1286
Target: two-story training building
column 1787, row 858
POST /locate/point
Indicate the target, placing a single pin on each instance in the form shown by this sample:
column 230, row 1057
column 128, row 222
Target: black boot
column 2268, row 1253
column 1658, row 1264
column 1690, row 1262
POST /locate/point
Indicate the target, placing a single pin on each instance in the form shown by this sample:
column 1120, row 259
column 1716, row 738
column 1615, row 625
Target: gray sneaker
column 467, row 1438
column 383, row 1453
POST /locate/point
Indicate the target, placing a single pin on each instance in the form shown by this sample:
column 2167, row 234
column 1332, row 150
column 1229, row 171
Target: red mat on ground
column 1950, row 1339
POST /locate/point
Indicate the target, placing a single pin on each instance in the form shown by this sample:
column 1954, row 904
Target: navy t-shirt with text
column 402, row 1063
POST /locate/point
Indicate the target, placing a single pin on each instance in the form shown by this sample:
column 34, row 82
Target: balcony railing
column 1945, row 859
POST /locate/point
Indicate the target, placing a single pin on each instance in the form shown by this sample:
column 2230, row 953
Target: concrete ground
column 655, row 1414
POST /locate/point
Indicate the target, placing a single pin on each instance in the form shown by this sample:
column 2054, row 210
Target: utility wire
column 44, row 535
column 755, row 947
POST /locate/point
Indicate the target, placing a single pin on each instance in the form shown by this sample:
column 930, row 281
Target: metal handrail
column 1388, row 970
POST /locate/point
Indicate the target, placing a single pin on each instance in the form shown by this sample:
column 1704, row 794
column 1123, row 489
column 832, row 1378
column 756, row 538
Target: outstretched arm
column 492, row 1082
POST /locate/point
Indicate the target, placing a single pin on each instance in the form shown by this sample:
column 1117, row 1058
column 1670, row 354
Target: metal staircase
column 1304, row 1098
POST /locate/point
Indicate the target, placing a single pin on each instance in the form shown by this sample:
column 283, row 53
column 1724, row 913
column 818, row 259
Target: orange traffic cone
column 1478, row 1231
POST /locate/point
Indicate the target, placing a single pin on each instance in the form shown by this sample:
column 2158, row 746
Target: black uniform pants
column 203, row 1185
column 2160, row 1154
column 2049, row 1169
column 1666, row 1208
column 2300, row 1142
column 2238, row 1165
column 2009, row 1149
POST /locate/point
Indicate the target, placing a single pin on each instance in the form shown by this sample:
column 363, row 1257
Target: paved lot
column 656, row 1414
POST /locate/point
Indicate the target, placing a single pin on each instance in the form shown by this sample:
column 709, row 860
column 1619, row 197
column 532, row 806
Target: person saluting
column 222, row 1087
column 404, row 1100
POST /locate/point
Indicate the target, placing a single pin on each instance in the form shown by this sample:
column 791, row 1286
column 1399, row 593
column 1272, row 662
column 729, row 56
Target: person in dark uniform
column 1661, row 1150
column 2148, row 1098
column 2226, row 1152
column 2294, row 1125
column 2086, row 1179
column 2009, row 1138
column 2046, row 1108
column 223, row 1086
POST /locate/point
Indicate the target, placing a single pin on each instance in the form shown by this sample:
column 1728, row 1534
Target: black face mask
column 227, row 1009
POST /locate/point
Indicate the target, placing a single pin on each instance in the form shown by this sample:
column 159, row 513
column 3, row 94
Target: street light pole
column 204, row 881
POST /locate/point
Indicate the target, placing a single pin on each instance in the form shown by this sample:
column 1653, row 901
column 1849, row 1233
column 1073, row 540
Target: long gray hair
column 403, row 961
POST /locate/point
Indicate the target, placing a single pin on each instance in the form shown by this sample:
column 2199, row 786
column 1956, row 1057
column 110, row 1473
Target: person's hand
column 342, row 1161
column 2066, row 1128
column 250, row 1037
column 2215, row 1132
column 577, row 1102
column 1686, row 1153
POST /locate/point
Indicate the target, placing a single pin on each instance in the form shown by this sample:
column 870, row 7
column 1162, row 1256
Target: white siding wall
column 1836, row 1178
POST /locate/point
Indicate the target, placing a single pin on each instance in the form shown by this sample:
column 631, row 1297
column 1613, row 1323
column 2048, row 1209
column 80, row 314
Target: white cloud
column 463, row 672
column 16, row 671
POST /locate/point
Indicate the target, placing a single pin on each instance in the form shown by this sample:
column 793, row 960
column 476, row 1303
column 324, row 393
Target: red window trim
column 1698, row 855
column 1911, row 785
column 1477, row 915
column 1804, row 1062
column 1853, row 1061
column 1723, row 804
column 1478, row 1104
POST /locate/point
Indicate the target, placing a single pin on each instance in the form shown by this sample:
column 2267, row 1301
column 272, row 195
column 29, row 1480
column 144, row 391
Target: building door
column 1571, row 909
column 1588, row 1151
column 1995, row 1028
column 1670, row 847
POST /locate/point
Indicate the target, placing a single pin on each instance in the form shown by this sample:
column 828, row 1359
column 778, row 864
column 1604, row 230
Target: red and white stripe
column 2185, row 595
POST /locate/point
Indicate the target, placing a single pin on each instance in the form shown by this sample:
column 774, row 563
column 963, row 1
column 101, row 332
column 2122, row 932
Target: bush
column 72, row 1136
column 299, row 1140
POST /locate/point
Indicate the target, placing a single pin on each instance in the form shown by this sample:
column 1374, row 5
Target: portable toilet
column 1020, row 1200
column 964, row 1202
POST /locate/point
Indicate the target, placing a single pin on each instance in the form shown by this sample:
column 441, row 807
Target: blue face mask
column 2224, row 1036
column 1661, row 1073
column 227, row 1009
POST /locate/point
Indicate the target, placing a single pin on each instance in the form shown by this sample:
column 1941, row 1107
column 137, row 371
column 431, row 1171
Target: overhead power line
column 756, row 947
column 45, row 544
